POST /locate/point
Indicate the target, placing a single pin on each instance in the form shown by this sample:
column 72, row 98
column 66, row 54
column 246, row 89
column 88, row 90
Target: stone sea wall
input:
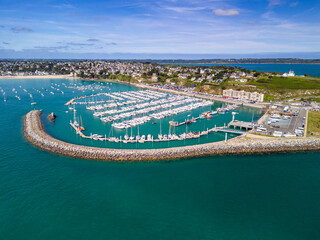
column 36, row 135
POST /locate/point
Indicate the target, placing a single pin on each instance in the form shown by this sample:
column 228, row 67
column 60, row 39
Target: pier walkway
column 241, row 125
column 187, row 136
column 228, row 130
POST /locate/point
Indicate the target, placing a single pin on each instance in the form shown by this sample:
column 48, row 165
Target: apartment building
column 243, row 95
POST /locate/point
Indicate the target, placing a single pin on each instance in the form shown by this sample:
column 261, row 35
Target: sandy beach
column 40, row 77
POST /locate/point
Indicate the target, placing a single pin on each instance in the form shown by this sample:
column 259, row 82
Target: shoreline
column 195, row 94
column 35, row 134
column 243, row 63
column 40, row 77
column 138, row 85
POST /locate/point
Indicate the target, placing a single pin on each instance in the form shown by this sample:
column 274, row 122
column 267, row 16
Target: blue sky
column 173, row 27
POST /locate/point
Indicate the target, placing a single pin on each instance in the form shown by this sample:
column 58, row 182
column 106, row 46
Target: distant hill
column 239, row 61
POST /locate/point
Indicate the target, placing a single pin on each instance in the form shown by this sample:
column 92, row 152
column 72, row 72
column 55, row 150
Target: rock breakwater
column 36, row 135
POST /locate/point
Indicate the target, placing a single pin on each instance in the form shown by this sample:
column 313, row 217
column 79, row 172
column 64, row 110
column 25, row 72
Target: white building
column 277, row 134
column 290, row 74
column 249, row 96
column 154, row 77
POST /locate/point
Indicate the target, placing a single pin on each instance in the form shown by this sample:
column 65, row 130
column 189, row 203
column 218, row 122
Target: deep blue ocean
column 299, row 69
column 47, row 196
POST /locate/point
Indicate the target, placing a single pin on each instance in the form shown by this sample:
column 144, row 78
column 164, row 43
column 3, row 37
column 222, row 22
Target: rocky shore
column 36, row 135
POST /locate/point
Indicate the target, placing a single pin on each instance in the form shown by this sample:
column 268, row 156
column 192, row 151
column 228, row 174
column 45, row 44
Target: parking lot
column 285, row 121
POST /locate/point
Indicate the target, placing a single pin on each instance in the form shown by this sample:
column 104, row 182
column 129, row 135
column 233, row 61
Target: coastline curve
column 35, row 133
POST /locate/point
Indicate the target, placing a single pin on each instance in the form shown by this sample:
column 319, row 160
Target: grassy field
column 317, row 99
column 313, row 124
column 293, row 83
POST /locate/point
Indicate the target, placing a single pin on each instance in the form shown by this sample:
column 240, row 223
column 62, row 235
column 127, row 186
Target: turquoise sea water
column 299, row 69
column 61, row 129
column 46, row 196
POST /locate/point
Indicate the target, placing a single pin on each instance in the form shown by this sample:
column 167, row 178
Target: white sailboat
column 160, row 134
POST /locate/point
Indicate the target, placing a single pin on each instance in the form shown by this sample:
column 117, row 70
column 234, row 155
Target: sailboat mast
column 74, row 113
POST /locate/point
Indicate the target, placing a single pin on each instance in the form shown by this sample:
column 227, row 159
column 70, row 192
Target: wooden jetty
column 189, row 121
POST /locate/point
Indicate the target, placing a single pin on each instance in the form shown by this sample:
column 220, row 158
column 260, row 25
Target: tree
column 256, row 74
column 81, row 74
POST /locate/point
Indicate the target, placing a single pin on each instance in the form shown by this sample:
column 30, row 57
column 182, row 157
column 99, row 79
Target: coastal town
column 128, row 71
column 266, row 86
column 284, row 118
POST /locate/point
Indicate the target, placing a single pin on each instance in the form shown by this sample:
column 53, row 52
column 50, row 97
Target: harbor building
column 243, row 95
column 290, row 74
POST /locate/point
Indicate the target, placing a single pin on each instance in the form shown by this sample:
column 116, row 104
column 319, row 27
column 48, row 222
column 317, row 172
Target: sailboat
column 160, row 134
column 126, row 137
column 131, row 137
column 75, row 123
column 81, row 127
column 142, row 139
column 173, row 123
column 169, row 135
column 138, row 136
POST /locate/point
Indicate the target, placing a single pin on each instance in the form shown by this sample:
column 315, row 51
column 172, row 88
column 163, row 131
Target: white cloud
column 184, row 9
column 21, row 29
column 294, row 4
column 226, row 12
column 275, row 2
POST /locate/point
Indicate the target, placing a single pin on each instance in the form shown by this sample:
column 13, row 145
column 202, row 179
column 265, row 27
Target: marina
column 164, row 138
column 128, row 117
column 130, row 109
column 35, row 134
column 35, row 174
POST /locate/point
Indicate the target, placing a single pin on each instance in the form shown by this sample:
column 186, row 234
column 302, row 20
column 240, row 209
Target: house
column 154, row 77
column 290, row 74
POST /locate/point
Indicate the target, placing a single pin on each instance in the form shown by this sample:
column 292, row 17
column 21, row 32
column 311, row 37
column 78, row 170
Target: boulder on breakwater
column 52, row 117
column 36, row 135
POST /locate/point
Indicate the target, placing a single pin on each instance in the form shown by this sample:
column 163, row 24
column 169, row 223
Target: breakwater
column 36, row 135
